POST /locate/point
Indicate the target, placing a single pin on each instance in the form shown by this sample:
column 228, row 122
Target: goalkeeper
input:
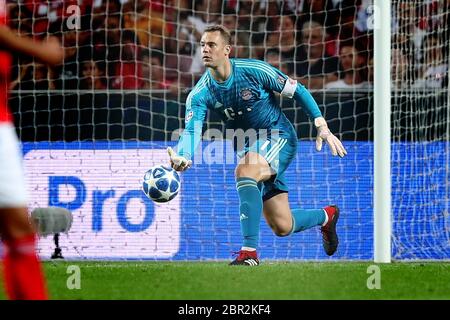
column 242, row 91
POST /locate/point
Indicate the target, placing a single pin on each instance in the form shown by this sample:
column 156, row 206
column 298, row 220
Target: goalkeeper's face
column 215, row 51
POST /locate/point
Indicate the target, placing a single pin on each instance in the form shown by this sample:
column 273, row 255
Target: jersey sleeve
column 196, row 107
column 275, row 80
column 3, row 13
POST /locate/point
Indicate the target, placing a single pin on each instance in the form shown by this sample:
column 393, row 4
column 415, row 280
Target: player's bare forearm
column 49, row 52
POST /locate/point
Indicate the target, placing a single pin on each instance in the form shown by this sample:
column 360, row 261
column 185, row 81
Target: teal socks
column 250, row 210
column 305, row 219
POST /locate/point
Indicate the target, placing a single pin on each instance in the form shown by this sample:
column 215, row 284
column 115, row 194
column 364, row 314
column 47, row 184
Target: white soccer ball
column 161, row 184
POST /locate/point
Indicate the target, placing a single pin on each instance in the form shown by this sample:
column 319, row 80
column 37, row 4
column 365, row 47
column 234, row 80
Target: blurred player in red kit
column 23, row 276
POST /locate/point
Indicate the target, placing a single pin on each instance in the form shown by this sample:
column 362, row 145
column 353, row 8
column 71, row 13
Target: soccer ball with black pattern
column 161, row 184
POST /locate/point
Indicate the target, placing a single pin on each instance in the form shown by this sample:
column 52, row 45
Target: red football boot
column 329, row 235
column 245, row 258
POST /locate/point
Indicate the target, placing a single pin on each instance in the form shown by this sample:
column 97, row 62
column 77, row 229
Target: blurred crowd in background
column 154, row 44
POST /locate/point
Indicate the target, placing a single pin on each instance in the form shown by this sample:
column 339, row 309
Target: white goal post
column 382, row 131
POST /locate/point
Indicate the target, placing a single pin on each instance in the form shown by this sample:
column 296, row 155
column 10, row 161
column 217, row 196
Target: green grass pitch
column 270, row 280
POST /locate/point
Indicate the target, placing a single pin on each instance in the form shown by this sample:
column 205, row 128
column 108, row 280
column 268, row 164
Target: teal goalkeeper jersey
column 246, row 100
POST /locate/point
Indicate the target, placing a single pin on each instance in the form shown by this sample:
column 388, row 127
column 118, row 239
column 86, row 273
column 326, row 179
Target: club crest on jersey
column 246, row 94
column 281, row 80
column 189, row 116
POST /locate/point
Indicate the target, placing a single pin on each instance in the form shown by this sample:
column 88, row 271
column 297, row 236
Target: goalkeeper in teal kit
column 242, row 91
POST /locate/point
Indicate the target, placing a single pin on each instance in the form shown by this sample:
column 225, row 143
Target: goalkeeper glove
column 324, row 134
column 179, row 163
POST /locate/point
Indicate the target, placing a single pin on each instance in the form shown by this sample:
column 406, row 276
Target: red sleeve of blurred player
column 5, row 65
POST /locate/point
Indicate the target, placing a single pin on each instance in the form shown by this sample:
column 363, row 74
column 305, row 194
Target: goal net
column 92, row 127
column 421, row 126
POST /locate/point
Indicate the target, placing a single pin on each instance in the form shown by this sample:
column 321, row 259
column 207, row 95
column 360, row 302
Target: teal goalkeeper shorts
column 279, row 153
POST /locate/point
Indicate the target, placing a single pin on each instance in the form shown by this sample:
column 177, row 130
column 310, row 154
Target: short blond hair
column 224, row 32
